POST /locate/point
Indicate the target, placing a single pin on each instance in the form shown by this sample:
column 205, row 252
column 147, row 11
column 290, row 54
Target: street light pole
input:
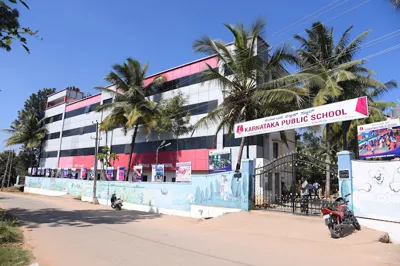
column 162, row 145
column 96, row 147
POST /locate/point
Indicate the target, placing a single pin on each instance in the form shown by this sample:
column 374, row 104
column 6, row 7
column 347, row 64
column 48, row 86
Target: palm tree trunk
column 10, row 170
column 328, row 166
column 345, row 129
column 5, row 172
column 239, row 158
column 131, row 152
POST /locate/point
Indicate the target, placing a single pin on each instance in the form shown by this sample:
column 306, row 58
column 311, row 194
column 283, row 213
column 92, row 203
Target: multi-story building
column 71, row 118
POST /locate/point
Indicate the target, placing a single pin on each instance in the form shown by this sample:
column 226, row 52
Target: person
column 310, row 190
column 304, row 188
column 316, row 187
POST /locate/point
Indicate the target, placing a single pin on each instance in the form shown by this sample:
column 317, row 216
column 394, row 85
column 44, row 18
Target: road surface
column 65, row 231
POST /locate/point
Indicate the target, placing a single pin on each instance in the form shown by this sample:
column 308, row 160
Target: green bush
column 14, row 256
column 9, row 233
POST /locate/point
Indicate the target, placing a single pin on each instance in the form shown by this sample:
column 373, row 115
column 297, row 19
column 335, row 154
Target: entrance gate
column 279, row 184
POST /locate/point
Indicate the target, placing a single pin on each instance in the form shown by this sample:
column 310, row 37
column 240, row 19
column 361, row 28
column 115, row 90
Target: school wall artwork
column 376, row 190
column 214, row 190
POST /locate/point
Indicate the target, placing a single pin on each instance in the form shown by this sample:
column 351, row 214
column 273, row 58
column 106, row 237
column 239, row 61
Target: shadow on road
column 80, row 218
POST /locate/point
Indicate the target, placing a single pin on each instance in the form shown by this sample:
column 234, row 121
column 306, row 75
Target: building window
column 275, row 150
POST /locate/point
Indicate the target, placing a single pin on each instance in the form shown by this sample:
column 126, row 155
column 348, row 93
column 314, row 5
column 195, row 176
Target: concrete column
column 345, row 175
column 247, row 171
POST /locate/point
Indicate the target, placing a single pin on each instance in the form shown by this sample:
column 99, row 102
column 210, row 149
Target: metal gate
column 279, row 184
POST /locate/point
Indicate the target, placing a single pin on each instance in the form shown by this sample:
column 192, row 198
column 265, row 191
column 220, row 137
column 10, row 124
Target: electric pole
column 5, row 172
column 9, row 171
column 96, row 147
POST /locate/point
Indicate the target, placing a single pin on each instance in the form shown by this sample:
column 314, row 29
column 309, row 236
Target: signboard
column 137, row 172
column 157, row 173
column 344, row 174
column 91, row 174
column 34, row 171
column 380, row 139
column 110, row 173
column 219, row 160
column 184, row 172
column 47, row 172
column 73, row 173
column 330, row 113
column 29, row 171
column 83, row 173
column 65, row 173
column 121, row 173
column 58, row 172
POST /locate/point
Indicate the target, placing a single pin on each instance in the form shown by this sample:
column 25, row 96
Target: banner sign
column 83, row 173
column 157, row 173
column 380, row 139
column 47, row 172
column 376, row 190
column 91, row 174
column 110, row 173
column 30, row 171
column 219, row 160
column 58, row 172
column 34, row 170
column 65, row 173
column 183, row 172
column 330, row 113
column 121, row 173
column 137, row 172
column 73, row 173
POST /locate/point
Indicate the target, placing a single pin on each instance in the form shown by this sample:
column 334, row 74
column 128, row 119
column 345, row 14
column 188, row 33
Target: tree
column 330, row 72
column 131, row 107
column 36, row 103
column 395, row 3
column 10, row 28
column 171, row 117
column 106, row 157
column 245, row 97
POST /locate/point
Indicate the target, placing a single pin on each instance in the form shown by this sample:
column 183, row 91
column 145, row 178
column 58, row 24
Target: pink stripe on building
column 185, row 70
column 84, row 102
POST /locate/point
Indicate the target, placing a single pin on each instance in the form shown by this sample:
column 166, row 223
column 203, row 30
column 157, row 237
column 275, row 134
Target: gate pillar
column 345, row 175
column 248, row 183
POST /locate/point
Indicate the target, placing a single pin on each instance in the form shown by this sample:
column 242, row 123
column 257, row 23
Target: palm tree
column 331, row 74
column 396, row 3
column 131, row 107
column 29, row 132
column 244, row 97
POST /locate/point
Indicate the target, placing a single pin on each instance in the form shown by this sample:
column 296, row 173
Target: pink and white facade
column 70, row 122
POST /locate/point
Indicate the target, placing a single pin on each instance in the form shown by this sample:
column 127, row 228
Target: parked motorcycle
column 338, row 216
column 116, row 203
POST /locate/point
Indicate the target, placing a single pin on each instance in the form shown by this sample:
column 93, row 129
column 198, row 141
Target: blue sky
column 83, row 39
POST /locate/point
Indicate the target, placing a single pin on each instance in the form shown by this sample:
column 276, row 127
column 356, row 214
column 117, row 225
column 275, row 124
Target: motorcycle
column 338, row 216
column 116, row 203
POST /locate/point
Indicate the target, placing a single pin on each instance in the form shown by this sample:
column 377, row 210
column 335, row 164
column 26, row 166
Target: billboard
column 329, row 113
column 121, row 173
column 219, row 160
column 157, row 173
column 184, row 172
column 137, row 172
column 110, row 173
column 379, row 140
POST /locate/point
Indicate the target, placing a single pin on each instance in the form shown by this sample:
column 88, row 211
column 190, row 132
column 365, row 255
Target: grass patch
column 14, row 256
column 12, row 189
column 11, row 236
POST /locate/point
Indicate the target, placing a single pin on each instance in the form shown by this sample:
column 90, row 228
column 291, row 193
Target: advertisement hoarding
column 137, row 172
column 329, row 113
column 184, row 172
column 121, row 173
column 219, row 160
column 157, row 173
column 110, row 173
column 379, row 140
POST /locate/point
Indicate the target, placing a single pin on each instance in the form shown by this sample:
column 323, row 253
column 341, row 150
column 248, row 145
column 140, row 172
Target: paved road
column 64, row 231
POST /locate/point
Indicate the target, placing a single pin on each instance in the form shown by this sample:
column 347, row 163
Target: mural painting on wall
column 184, row 172
column 219, row 160
column 157, row 172
column 376, row 190
column 137, row 172
column 210, row 190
